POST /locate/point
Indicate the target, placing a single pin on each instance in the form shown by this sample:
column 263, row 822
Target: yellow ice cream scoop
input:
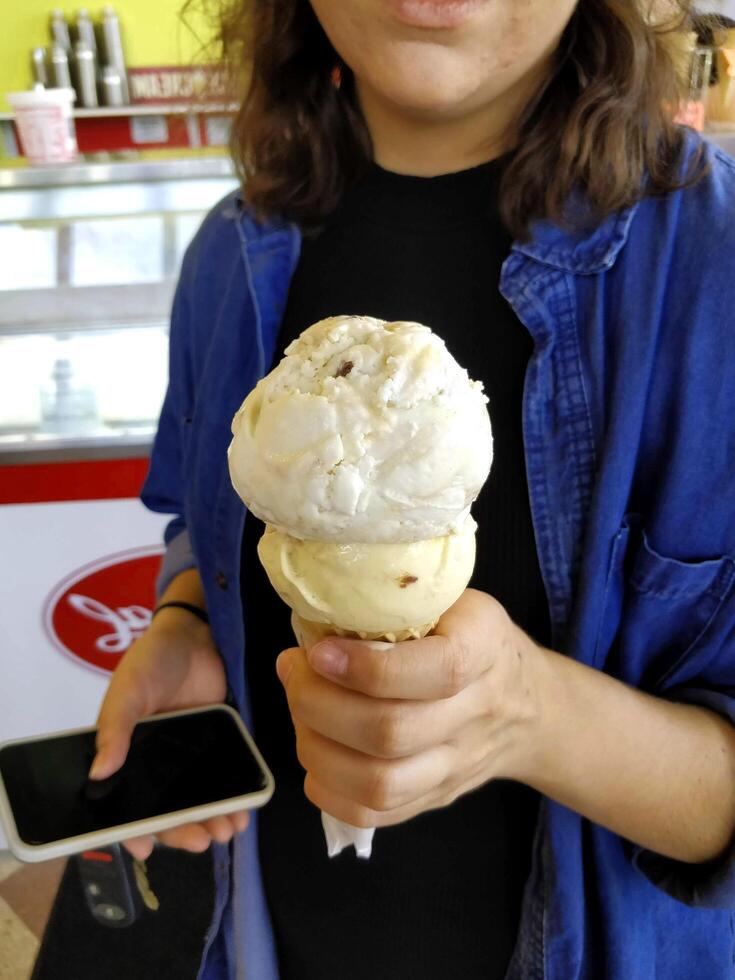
column 376, row 590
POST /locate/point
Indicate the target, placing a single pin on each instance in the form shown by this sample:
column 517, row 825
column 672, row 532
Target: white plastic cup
column 45, row 124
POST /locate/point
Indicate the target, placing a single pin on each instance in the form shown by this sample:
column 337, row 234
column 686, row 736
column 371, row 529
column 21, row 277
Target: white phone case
column 112, row 835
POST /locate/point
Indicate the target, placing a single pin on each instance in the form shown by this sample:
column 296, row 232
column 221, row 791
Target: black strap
column 194, row 610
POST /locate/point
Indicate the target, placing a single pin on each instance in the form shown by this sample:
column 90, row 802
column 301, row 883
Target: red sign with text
column 97, row 611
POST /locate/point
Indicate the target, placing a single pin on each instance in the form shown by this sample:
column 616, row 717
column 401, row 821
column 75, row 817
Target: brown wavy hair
column 602, row 119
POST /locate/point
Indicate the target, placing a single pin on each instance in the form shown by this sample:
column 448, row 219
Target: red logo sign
column 96, row 612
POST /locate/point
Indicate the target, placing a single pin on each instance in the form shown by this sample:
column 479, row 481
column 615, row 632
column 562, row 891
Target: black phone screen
column 173, row 764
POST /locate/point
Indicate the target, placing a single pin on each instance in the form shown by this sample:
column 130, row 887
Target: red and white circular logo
column 96, row 612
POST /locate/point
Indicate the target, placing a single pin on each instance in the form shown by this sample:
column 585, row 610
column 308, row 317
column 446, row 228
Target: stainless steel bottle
column 60, row 67
column 85, row 30
column 60, row 30
column 112, row 94
column 86, row 71
column 39, row 67
column 114, row 54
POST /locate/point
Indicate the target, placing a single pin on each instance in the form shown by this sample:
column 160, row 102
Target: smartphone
column 182, row 766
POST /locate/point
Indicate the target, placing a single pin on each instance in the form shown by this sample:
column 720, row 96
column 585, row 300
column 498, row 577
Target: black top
column 441, row 895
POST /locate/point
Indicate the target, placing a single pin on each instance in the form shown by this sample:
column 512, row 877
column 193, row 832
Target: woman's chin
column 425, row 90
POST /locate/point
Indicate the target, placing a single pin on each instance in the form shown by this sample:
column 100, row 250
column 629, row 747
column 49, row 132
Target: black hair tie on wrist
column 194, row 610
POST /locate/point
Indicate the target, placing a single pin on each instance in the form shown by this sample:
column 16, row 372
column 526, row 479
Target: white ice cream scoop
column 366, row 431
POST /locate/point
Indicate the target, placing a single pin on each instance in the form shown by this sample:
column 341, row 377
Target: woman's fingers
column 387, row 729
column 220, row 829
column 195, row 837
column 139, row 847
column 240, row 820
column 191, row 837
column 361, row 816
column 376, row 784
column 223, row 828
column 121, row 710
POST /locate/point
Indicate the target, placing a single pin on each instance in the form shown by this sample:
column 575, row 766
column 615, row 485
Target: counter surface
column 116, row 172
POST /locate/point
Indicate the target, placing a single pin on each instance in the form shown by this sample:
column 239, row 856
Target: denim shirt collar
column 581, row 252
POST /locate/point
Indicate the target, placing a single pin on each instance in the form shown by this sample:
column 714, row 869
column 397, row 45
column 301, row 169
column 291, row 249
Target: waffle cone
column 308, row 633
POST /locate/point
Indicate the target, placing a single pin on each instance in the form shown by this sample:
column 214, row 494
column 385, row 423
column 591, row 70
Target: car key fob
column 109, row 886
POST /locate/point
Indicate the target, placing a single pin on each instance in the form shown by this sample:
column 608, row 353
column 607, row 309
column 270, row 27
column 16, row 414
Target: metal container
column 60, row 30
column 39, row 67
column 85, row 30
column 114, row 54
column 86, row 71
column 112, row 93
column 60, row 67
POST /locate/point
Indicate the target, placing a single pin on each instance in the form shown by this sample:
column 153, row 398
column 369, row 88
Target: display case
column 90, row 256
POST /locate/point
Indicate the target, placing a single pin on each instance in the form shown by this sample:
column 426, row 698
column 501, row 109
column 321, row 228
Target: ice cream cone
column 363, row 586
column 337, row 833
column 362, row 451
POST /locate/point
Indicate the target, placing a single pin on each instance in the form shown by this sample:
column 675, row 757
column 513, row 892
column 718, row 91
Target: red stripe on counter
column 105, row 479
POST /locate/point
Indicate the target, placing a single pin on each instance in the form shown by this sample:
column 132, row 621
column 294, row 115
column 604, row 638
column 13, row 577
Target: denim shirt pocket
column 657, row 610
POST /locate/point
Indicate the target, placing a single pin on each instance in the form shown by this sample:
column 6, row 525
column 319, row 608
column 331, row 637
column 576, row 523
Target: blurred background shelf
column 86, row 173
column 130, row 128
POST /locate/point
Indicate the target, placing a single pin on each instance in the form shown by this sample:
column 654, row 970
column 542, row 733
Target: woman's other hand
column 173, row 665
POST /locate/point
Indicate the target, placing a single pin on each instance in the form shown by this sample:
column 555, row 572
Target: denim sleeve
column 178, row 558
column 710, row 885
column 164, row 490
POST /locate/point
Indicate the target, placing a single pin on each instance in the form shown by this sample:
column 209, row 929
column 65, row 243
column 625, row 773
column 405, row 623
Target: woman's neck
column 423, row 145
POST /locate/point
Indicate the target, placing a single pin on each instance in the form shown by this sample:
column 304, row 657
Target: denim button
column 221, row 580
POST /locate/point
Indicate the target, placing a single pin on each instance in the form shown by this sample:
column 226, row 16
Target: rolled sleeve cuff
column 710, row 885
column 178, row 557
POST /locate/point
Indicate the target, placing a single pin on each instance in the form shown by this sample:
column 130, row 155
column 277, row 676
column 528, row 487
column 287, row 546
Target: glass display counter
column 90, row 256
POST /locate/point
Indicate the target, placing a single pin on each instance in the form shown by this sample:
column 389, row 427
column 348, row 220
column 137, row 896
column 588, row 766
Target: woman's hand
column 173, row 665
column 387, row 732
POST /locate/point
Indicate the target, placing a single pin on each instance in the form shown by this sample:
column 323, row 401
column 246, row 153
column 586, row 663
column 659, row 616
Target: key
column 146, row 892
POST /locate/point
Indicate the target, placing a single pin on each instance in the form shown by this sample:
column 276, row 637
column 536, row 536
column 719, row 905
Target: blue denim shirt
column 629, row 432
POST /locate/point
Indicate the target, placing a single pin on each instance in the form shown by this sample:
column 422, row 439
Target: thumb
column 119, row 714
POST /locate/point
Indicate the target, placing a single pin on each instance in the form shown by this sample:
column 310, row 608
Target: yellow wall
column 152, row 34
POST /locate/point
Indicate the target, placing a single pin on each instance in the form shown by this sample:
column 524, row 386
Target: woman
column 507, row 173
